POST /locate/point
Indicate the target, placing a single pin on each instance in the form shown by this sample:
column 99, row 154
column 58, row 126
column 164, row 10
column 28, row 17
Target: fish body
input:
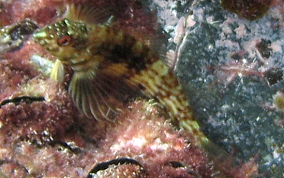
column 108, row 63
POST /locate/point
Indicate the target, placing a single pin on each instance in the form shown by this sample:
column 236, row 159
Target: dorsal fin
column 88, row 13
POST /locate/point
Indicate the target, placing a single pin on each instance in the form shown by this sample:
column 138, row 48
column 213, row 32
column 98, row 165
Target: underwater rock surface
column 232, row 69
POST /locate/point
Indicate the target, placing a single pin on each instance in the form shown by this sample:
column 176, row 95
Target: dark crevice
column 67, row 146
column 19, row 100
column 104, row 165
column 189, row 170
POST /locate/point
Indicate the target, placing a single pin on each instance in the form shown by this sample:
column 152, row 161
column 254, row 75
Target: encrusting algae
column 108, row 64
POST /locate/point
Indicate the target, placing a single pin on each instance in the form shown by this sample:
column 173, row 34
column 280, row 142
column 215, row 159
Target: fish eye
column 65, row 41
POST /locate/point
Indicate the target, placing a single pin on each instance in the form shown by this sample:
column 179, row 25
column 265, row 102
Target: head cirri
column 64, row 39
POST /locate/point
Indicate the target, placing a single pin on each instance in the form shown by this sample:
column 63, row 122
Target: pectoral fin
column 57, row 72
column 96, row 96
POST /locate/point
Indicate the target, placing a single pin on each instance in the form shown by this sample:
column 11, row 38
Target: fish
column 109, row 63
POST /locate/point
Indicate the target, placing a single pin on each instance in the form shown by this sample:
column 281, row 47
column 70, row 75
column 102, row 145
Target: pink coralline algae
column 42, row 134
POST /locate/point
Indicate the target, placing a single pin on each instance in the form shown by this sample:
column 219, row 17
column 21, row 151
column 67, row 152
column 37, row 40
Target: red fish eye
column 65, row 41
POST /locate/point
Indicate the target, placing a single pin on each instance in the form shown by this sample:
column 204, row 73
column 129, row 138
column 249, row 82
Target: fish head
column 64, row 39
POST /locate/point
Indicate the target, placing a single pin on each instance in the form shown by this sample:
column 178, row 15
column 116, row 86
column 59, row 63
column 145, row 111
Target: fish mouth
column 39, row 34
column 42, row 38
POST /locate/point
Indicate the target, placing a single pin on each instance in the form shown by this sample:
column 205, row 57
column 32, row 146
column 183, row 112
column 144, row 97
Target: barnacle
column 13, row 36
column 133, row 165
column 18, row 100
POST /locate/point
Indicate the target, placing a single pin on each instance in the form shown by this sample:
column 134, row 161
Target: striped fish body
column 107, row 63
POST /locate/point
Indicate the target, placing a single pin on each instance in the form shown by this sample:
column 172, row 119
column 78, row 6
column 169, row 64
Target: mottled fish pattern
column 107, row 63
